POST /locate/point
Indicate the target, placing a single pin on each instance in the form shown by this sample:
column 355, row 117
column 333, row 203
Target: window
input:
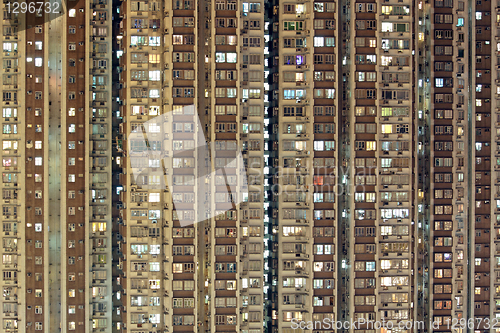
column 154, row 75
column 319, row 41
column 154, row 93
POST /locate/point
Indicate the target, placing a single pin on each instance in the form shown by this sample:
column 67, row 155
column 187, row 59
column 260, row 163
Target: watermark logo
column 16, row 11
column 360, row 323
column 170, row 152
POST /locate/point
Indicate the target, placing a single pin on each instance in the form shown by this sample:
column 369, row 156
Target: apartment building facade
column 303, row 156
column 369, row 187
column 463, row 159
column 197, row 70
column 56, row 192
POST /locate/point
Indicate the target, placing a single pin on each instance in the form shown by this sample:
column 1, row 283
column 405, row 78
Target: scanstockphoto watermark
column 206, row 179
column 169, row 152
column 361, row 323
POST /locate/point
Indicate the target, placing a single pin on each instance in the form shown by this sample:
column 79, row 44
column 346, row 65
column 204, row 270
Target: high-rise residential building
column 352, row 170
column 360, row 142
column 193, row 69
column 56, row 168
column 303, row 157
column 160, row 65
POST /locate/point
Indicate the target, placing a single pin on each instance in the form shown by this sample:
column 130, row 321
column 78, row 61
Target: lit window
column 439, row 83
column 479, row 102
column 154, row 128
column 479, row 15
column 371, row 145
column 154, row 110
column 154, row 58
column 38, row 45
column 319, row 145
column 155, row 318
column 72, row 128
column 231, row 58
column 72, row 13
column 370, row 266
column 220, row 57
column 154, row 41
column 71, row 178
column 154, row 93
column 387, row 26
column 154, row 75
column 38, row 144
column 154, row 249
column 38, row 62
column 38, row 161
column 318, row 266
column 154, row 197
column 319, row 41
column 460, row 22
column 98, row 227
